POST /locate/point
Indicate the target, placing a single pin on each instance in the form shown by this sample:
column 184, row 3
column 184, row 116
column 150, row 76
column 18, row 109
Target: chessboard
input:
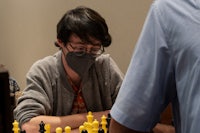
column 89, row 126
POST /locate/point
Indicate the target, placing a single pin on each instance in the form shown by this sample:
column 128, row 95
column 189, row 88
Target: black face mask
column 79, row 64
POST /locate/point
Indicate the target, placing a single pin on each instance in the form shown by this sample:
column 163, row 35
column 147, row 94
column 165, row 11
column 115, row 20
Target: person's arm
column 115, row 127
column 74, row 121
column 163, row 128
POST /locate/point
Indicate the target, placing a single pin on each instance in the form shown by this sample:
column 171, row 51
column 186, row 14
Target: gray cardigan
column 48, row 91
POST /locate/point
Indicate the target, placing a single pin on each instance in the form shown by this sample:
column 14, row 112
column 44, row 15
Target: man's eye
column 95, row 50
column 80, row 48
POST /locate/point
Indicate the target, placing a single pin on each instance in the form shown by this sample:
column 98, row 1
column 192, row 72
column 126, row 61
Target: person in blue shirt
column 165, row 68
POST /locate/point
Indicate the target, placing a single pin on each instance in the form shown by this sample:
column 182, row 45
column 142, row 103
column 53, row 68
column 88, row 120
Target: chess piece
column 81, row 128
column 58, row 130
column 101, row 130
column 47, row 128
column 84, row 131
column 108, row 122
column 104, row 123
column 95, row 125
column 42, row 129
column 15, row 127
column 67, row 129
column 90, row 117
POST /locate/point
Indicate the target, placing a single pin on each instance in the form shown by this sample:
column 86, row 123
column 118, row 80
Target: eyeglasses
column 81, row 48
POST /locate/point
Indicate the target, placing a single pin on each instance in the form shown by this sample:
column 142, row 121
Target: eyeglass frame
column 84, row 51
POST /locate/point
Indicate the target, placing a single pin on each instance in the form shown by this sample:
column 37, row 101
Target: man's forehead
column 76, row 38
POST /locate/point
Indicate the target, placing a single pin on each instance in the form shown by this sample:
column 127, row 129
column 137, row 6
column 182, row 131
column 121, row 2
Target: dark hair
column 85, row 23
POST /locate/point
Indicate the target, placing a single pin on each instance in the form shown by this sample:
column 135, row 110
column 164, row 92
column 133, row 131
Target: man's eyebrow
column 96, row 44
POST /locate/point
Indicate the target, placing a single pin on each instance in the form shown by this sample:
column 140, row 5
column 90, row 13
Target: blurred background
column 28, row 30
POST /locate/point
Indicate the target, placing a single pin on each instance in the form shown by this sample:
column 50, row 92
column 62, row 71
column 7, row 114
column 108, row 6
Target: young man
column 62, row 88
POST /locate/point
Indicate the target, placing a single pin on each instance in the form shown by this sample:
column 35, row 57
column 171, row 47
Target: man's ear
column 59, row 43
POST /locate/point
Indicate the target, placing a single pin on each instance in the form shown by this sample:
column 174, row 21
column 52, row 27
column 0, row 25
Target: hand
column 163, row 128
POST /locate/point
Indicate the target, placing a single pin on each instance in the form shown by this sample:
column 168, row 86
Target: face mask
column 79, row 64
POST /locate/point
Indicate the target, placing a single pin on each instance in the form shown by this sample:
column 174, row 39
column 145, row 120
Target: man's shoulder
column 48, row 60
column 164, row 4
column 47, row 63
column 103, row 57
